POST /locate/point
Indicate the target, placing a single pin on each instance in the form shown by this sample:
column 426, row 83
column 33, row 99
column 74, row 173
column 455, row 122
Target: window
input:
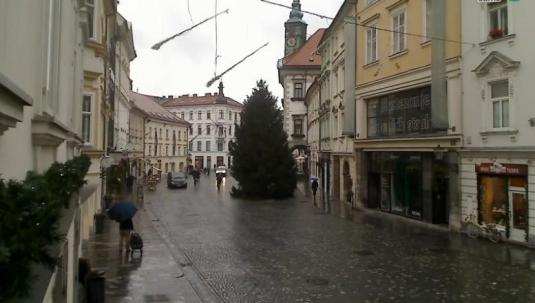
column 167, row 149
column 371, row 43
column 160, row 132
column 166, row 134
column 190, row 145
column 370, row 2
column 191, row 115
column 186, row 150
column 208, row 115
column 229, row 115
column 398, row 36
column 499, row 96
column 191, row 130
column 199, row 130
column 199, row 115
column 298, row 126
column 86, row 119
column 220, row 146
column 182, row 115
column 90, row 5
column 235, row 117
column 220, row 114
column 220, row 131
column 179, row 135
column 199, row 146
column 150, row 149
column 428, row 19
column 207, row 145
column 498, row 19
column 298, row 90
column 230, row 130
column 208, row 129
column 150, row 132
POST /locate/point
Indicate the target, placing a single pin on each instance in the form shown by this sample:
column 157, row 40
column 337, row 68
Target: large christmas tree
column 263, row 164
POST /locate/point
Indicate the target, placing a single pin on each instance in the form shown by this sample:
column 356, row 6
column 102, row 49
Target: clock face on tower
column 291, row 42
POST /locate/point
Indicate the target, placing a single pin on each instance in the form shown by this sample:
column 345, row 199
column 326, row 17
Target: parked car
column 221, row 170
column 177, row 180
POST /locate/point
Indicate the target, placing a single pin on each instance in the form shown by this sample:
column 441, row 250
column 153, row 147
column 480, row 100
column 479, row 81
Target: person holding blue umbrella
column 123, row 212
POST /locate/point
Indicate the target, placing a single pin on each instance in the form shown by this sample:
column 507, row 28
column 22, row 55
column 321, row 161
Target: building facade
column 213, row 119
column 165, row 137
column 497, row 165
column 51, row 77
column 408, row 125
column 337, row 112
column 297, row 71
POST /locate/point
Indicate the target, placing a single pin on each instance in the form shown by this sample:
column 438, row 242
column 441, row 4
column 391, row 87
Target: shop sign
column 502, row 169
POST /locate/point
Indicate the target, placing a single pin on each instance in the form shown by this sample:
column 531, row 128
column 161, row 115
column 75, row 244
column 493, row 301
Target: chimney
column 208, row 94
column 185, row 95
column 194, row 95
column 170, row 96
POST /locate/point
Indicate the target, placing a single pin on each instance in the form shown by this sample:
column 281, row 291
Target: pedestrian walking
column 125, row 228
column 219, row 179
column 314, row 189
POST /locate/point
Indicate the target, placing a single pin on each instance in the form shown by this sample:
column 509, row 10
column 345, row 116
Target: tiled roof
column 307, row 55
column 152, row 109
column 191, row 100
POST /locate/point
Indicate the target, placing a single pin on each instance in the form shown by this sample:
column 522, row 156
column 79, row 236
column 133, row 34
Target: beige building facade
column 408, row 121
column 165, row 137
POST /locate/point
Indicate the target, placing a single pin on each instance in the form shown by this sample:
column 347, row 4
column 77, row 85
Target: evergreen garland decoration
column 263, row 164
column 30, row 212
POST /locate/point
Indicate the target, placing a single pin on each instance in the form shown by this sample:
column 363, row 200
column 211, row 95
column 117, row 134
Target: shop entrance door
column 519, row 211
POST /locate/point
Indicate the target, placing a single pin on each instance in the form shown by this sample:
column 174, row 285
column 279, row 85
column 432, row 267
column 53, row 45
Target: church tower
column 295, row 29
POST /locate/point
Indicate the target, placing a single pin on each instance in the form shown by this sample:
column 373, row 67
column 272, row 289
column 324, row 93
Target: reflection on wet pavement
column 282, row 251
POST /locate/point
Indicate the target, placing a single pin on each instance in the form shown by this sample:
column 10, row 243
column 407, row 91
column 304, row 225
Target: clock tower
column 295, row 29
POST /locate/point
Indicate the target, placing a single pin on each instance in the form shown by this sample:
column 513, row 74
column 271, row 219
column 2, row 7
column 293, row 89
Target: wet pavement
column 233, row 250
column 155, row 276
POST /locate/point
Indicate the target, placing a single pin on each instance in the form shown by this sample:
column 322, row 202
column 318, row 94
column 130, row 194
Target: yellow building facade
column 408, row 121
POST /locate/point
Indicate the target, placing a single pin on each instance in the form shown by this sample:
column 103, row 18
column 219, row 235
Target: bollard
column 99, row 222
column 95, row 285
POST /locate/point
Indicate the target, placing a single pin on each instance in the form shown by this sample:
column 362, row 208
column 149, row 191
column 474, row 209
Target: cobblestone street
column 288, row 251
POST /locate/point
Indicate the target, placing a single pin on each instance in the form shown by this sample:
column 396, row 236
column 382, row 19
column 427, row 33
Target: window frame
column 500, row 100
column 89, row 113
column 427, row 14
column 208, row 147
column 497, row 7
column 300, row 120
column 397, row 31
column 199, row 115
column 91, row 7
column 301, row 93
column 371, row 27
column 199, row 145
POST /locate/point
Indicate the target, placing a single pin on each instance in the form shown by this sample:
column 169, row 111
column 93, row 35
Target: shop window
column 493, row 191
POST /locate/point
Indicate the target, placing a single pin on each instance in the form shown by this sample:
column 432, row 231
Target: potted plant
column 496, row 33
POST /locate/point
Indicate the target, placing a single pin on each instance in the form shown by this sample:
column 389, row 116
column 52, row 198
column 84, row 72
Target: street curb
column 204, row 292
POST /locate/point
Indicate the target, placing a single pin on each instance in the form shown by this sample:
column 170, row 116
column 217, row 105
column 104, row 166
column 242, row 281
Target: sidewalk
column 154, row 277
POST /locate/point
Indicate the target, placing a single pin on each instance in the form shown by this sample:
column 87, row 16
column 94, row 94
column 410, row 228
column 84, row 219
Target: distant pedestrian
column 314, row 189
column 125, row 228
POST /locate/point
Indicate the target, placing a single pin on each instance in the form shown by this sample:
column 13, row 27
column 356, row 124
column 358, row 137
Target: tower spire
column 296, row 14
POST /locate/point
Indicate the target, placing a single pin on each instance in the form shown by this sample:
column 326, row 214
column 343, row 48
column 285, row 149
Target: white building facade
column 213, row 119
column 497, row 166
column 50, row 91
column 297, row 70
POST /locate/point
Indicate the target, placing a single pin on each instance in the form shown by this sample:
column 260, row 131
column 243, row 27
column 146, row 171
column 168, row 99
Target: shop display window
column 494, row 200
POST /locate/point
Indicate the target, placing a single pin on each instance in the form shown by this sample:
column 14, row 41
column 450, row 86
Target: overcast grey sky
column 185, row 64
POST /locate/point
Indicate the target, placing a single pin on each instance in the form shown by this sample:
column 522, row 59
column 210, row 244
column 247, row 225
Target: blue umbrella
column 122, row 211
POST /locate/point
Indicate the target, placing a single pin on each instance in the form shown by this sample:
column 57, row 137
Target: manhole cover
column 317, row 281
column 363, row 253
